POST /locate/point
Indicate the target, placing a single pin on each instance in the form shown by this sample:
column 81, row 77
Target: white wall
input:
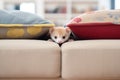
column 117, row 4
column 40, row 7
column 1, row 4
column 105, row 4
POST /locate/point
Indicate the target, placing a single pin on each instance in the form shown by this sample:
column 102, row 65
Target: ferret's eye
column 63, row 37
column 55, row 37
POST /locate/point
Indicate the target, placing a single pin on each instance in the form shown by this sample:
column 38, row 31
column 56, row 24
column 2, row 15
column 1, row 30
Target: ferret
column 60, row 34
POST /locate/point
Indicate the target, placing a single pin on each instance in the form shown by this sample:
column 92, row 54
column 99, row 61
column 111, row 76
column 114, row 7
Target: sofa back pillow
column 19, row 25
column 102, row 24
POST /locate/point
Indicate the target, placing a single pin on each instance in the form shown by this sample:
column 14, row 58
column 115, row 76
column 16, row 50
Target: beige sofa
column 44, row 60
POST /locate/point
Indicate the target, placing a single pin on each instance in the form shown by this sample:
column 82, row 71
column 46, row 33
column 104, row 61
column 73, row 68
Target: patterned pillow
column 23, row 31
column 100, row 16
column 97, row 25
column 19, row 25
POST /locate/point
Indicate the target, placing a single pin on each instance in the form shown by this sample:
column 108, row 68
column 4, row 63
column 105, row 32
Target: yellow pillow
column 23, row 31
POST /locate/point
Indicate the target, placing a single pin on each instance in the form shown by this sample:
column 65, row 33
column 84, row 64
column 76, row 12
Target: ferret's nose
column 60, row 42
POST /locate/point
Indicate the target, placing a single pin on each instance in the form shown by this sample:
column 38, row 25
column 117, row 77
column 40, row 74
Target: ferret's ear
column 51, row 30
column 68, row 30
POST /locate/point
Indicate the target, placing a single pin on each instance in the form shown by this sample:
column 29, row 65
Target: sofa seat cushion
column 89, row 59
column 29, row 58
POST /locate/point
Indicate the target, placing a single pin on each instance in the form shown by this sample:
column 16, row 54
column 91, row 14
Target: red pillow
column 103, row 24
column 96, row 30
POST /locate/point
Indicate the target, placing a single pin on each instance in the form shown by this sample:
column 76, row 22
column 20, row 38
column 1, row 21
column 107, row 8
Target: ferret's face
column 60, row 34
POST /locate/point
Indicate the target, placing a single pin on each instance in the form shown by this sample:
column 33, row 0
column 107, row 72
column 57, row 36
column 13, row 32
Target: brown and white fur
column 60, row 34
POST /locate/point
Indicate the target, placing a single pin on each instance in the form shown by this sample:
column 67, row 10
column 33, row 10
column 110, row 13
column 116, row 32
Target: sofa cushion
column 18, row 24
column 91, row 59
column 29, row 59
column 103, row 24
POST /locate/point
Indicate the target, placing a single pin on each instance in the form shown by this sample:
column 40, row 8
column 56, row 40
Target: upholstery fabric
column 91, row 59
column 29, row 59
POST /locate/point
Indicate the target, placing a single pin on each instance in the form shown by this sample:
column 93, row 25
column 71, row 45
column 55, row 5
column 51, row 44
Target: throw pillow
column 96, row 25
column 19, row 25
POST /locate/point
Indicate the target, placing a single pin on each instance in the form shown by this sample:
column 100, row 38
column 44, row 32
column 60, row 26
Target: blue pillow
column 22, row 25
column 19, row 17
